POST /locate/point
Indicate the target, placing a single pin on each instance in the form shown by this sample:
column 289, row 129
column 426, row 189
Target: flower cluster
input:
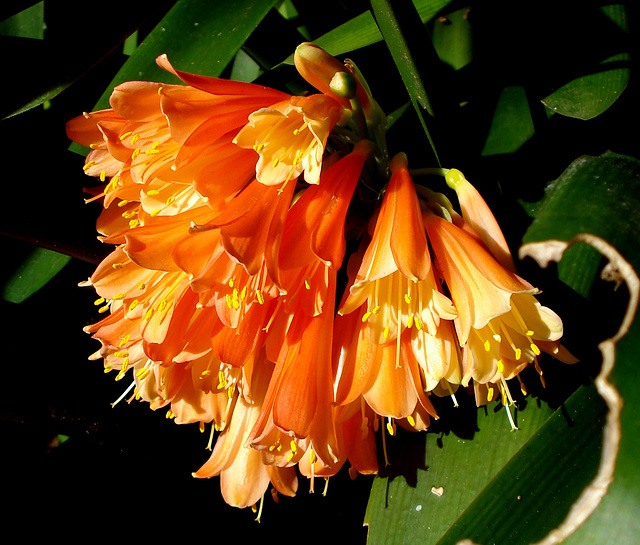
column 230, row 207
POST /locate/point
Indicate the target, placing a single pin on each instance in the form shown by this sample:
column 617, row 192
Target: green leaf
column 416, row 59
column 599, row 195
column 35, row 271
column 511, row 125
column 41, row 69
column 26, row 24
column 198, row 36
column 362, row 30
column 452, row 37
column 590, row 95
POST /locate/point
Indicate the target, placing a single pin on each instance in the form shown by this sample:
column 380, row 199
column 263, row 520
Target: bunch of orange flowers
column 229, row 206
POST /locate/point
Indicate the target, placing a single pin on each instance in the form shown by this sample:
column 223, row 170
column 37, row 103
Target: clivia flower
column 229, row 206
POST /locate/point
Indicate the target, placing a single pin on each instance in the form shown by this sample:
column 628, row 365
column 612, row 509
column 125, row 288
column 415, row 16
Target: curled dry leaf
column 617, row 270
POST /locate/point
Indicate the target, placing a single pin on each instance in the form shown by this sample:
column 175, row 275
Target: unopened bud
column 344, row 85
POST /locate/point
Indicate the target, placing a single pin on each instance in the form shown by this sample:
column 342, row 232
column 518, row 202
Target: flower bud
column 319, row 68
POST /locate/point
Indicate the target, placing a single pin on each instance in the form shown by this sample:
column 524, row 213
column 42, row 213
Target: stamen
column 131, row 386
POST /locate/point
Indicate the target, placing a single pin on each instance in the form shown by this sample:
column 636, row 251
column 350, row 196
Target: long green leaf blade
column 198, row 36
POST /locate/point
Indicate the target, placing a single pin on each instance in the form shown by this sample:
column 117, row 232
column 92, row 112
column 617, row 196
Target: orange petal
column 408, row 239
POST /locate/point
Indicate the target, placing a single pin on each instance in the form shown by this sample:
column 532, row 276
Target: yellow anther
column 125, row 135
column 497, row 338
column 133, row 304
column 103, row 175
column 500, row 366
column 418, row 323
column 205, row 373
column 529, row 333
column 376, row 309
column 118, row 265
column 135, row 138
column 121, row 354
column 121, row 374
column 307, row 285
column 293, row 446
column 122, row 203
column 124, row 340
column 535, row 349
column 119, row 296
column 134, row 223
column 290, row 457
column 108, row 370
column 523, row 387
column 135, row 154
column 385, row 332
column 390, row 428
column 103, row 309
column 98, row 302
column 153, row 192
column 518, row 353
column 235, row 299
column 170, row 415
column 148, row 315
column 260, row 297
column 407, row 299
column 129, row 213
column 243, row 294
column 160, row 90
column 275, row 163
column 141, row 286
column 411, row 420
column 229, row 300
column 487, row 345
column 409, row 322
column 155, row 212
column 143, row 373
column 163, row 305
column 300, row 129
column 489, row 394
column 366, row 316
column 231, row 390
column 201, row 426
column 312, row 456
column 88, row 165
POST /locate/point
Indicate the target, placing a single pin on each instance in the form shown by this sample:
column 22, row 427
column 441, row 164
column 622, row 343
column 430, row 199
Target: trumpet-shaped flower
column 290, row 137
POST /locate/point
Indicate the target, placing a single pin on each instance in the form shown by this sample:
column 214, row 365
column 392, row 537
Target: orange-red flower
column 228, row 206
column 501, row 327
column 392, row 298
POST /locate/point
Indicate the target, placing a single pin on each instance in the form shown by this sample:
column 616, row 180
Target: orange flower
column 501, row 327
column 298, row 401
column 395, row 277
column 290, row 137
column 244, row 477
column 393, row 298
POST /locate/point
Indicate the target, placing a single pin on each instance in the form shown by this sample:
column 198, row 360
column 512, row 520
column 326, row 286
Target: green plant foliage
column 35, row 271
